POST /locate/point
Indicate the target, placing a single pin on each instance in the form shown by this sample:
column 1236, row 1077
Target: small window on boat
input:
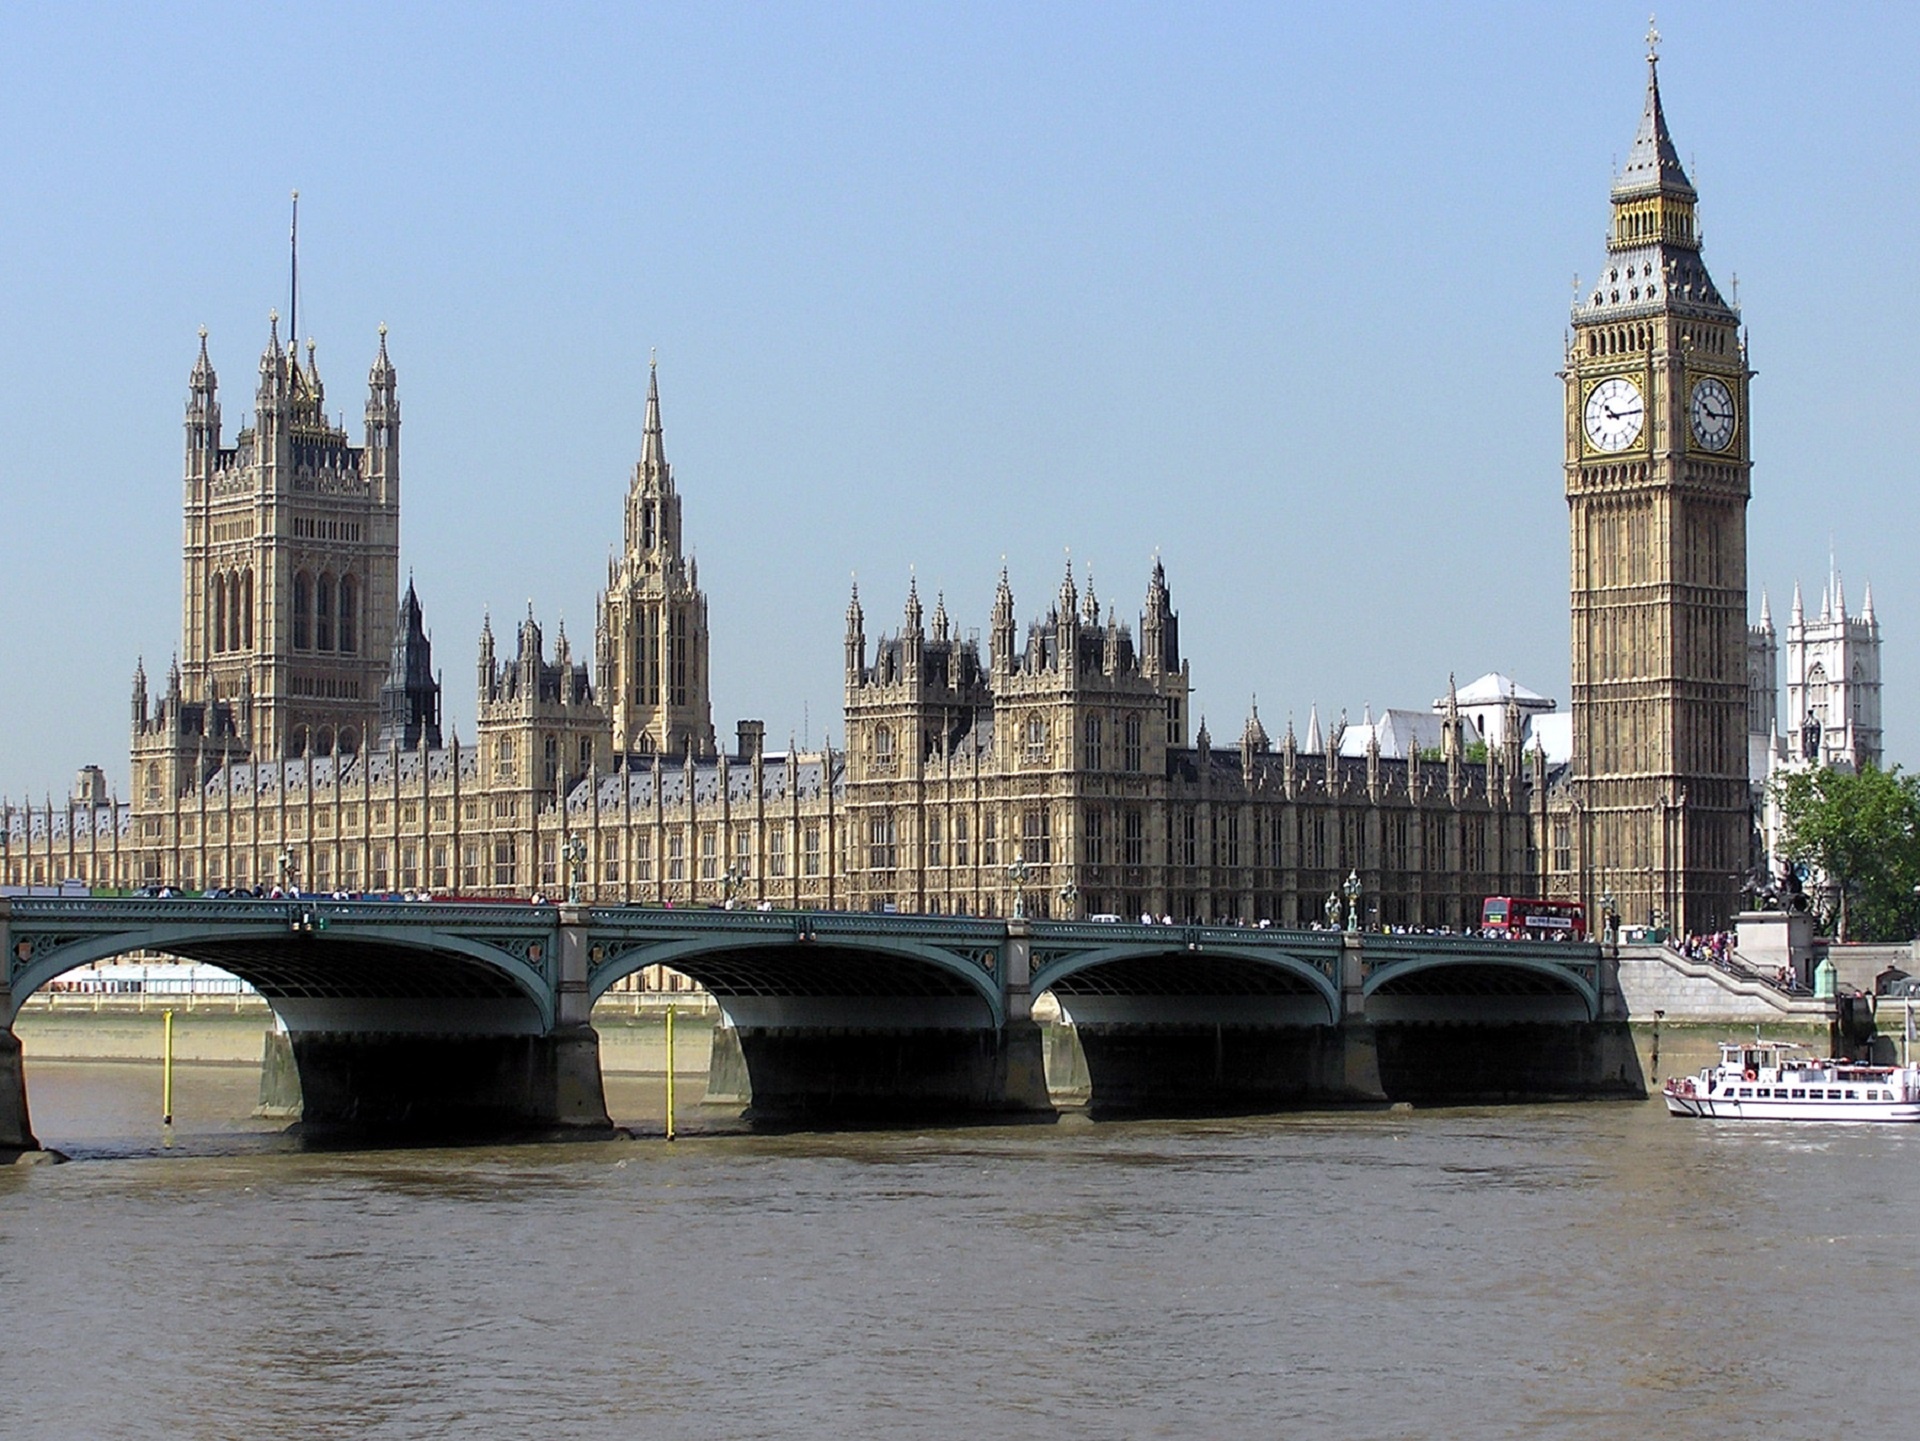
column 1852, row 1094
column 1832, row 1095
column 1746, row 1090
column 1799, row 1093
column 1876, row 1095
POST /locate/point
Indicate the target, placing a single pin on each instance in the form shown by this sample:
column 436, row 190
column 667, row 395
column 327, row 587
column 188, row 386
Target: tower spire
column 1653, row 163
column 653, row 451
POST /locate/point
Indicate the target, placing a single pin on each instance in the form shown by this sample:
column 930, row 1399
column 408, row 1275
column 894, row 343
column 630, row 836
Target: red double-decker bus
column 1521, row 919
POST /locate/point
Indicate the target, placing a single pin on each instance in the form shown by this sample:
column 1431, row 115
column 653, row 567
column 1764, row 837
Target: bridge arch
column 308, row 958
column 1482, row 988
column 1262, row 981
column 788, row 970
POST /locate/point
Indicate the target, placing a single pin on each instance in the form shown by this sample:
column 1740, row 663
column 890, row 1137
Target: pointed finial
column 1653, row 42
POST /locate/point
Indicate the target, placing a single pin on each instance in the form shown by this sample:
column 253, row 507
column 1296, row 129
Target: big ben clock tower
column 1657, row 470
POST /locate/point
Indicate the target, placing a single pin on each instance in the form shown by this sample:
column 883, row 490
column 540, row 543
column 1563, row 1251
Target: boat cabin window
column 1746, row 1090
column 1851, row 1093
column 1799, row 1093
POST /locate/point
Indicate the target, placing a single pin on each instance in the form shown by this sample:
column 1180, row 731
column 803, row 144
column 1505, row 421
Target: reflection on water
column 1591, row 1271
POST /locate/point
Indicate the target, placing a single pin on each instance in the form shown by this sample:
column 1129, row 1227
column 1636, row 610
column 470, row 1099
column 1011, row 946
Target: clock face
column 1615, row 414
column 1710, row 412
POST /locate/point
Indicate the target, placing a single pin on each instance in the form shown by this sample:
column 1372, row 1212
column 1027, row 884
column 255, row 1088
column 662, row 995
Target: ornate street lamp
column 1018, row 873
column 576, row 853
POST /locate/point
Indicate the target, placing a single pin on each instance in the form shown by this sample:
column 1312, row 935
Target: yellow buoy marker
column 166, row 1071
column 669, row 1073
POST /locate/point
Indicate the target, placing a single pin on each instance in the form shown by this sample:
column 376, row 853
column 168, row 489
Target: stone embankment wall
column 119, row 1028
column 1653, row 978
column 1858, row 967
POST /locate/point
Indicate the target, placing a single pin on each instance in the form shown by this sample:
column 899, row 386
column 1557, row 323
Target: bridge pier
column 817, row 1075
column 450, row 1085
column 16, row 1129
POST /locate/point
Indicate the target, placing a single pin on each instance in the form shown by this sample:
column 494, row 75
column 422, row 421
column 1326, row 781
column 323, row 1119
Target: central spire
column 1653, row 164
column 653, row 450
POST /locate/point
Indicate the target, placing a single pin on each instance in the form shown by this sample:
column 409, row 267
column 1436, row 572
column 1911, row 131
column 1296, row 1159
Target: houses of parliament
column 297, row 738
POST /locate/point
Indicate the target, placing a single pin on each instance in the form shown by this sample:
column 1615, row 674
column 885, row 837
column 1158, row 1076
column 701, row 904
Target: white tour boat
column 1767, row 1081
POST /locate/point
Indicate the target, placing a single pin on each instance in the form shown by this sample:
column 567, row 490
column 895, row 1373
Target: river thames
column 1557, row 1271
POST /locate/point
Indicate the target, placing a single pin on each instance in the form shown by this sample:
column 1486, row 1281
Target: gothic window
column 1036, row 740
column 882, row 848
column 960, row 839
column 676, row 857
column 1173, row 720
column 1036, row 835
column 438, row 878
column 246, row 609
column 1133, row 838
column 505, row 868
column 323, row 613
column 1227, row 838
column 349, row 741
column 1185, row 839
column 1095, row 832
column 883, row 748
column 551, row 770
column 709, row 853
column 643, row 858
column 323, row 741
column 646, row 526
column 777, row 852
column 217, row 603
column 1132, row 759
column 680, row 649
column 349, row 615
column 990, row 839
column 647, row 686
column 302, row 612
column 153, row 782
column 1859, row 694
column 743, row 851
column 812, row 851
column 933, row 840
column 409, row 867
column 1090, row 744
column 1817, row 692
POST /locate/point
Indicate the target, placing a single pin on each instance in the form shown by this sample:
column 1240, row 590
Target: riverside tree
column 1860, row 833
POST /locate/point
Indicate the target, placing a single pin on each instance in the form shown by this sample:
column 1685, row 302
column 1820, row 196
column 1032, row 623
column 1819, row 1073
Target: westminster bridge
column 452, row 1017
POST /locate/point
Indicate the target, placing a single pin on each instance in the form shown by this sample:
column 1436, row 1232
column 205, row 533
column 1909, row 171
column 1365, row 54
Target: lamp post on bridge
column 576, row 854
column 1352, row 889
column 729, row 883
column 1018, row 873
column 1069, row 894
column 287, row 874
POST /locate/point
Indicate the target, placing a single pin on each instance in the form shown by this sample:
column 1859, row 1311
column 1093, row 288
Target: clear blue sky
column 1277, row 291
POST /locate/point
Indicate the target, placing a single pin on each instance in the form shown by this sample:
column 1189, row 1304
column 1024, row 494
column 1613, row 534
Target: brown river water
column 1550, row 1271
